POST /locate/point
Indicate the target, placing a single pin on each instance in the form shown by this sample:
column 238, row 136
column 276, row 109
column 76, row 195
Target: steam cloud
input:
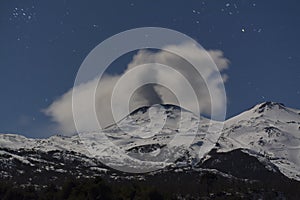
column 60, row 110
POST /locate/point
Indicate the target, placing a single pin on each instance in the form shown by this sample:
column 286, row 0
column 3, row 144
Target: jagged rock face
column 268, row 132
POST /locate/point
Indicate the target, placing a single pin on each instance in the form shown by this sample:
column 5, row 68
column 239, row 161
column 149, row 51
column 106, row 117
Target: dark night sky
column 43, row 43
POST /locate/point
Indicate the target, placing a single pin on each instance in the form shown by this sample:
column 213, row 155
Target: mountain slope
column 152, row 138
column 268, row 129
column 162, row 137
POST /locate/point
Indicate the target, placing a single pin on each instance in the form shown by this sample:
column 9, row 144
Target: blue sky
column 43, row 44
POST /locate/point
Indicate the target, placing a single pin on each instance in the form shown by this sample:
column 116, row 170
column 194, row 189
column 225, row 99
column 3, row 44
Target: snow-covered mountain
column 268, row 130
column 155, row 137
column 152, row 138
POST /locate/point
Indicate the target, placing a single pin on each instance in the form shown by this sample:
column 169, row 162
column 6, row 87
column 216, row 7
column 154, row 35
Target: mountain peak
column 144, row 109
column 265, row 111
column 268, row 105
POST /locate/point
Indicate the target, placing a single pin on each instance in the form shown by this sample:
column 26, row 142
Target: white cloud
column 61, row 109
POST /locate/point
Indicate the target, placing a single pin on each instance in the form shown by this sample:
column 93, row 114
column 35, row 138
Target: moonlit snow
column 146, row 138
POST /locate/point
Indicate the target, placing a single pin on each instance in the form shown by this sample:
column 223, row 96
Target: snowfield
column 155, row 137
column 269, row 129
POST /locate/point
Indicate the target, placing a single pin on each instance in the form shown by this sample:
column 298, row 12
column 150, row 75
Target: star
column 23, row 14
